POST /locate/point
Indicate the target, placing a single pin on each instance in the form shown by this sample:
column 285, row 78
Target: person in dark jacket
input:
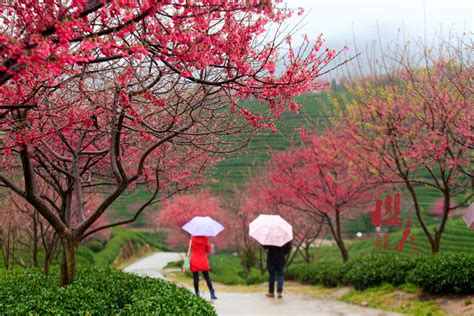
column 200, row 247
column 275, row 265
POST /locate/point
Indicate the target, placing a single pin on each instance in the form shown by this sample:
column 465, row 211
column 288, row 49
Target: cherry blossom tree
column 213, row 43
column 320, row 179
column 255, row 201
column 241, row 211
column 413, row 124
column 181, row 208
column 102, row 96
column 79, row 161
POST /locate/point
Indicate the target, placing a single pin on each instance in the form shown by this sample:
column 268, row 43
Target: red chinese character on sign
column 390, row 217
column 406, row 234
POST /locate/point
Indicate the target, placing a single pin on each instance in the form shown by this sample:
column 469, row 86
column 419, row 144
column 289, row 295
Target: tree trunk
column 244, row 259
column 68, row 264
column 442, row 224
column 337, row 235
column 35, row 239
column 419, row 216
column 343, row 250
column 50, row 252
column 46, row 267
column 261, row 260
column 6, row 249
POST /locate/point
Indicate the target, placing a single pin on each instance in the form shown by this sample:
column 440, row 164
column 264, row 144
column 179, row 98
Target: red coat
column 199, row 249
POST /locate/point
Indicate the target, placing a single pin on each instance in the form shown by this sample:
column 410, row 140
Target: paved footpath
column 229, row 303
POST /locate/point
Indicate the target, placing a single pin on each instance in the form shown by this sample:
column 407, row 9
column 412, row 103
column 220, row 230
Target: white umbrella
column 271, row 230
column 203, row 226
column 469, row 216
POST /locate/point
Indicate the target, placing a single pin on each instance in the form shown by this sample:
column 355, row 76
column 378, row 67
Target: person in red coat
column 199, row 262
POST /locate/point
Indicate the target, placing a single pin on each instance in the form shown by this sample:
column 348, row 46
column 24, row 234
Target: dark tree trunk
column 46, row 267
column 343, row 250
column 337, row 235
column 442, row 224
column 35, row 239
column 419, row 217
column 50, row 250
column 68, row 264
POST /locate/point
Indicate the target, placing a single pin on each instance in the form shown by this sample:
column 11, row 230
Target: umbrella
column 203, row 226
column 271, row 230
column 469, row 216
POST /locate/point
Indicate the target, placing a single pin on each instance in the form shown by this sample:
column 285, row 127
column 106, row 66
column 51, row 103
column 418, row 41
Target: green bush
column 95, row 245
column 440, row 274
column 96, row 291
column 328, row 275
column 308, row 274
column 374, row 270
column 256, row 277
column 227, row 269
column 445, row 274
column 85, row 255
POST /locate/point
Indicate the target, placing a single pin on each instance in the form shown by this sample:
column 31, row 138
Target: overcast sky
column 339, row 19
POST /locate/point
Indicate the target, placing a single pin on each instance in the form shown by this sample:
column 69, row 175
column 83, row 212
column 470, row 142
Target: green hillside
column 236, row 168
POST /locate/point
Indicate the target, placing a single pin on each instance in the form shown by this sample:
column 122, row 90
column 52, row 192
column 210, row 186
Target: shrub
column 440, row 274
column 445, row 274
column 99, row 291
column 85, row 255
column 95, row 245
column 374, row 270
column 304, row 273
column 327, row 275
column 227, row 269
column 256, row 277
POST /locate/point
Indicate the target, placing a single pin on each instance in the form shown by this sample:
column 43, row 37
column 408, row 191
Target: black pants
column 278, row 270
column 206, row 277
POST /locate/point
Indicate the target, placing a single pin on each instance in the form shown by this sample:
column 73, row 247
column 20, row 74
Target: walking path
column 235, row 303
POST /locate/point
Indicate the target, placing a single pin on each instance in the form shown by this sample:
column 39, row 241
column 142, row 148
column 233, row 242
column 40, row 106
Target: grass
column 174, row 264
column 388, row 297
column 227, row 269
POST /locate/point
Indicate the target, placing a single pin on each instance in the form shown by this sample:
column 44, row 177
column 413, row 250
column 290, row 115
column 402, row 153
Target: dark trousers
column 206, row 277
column 278, row 271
